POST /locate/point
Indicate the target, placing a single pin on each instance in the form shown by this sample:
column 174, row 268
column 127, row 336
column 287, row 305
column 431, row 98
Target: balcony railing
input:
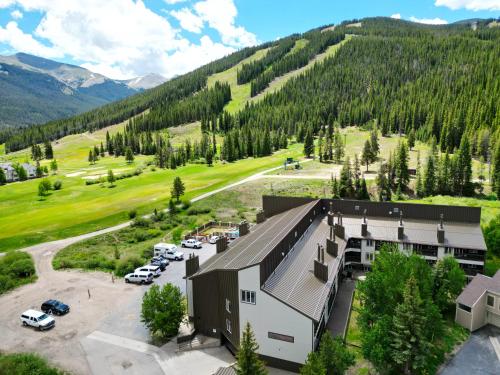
column 479, row 257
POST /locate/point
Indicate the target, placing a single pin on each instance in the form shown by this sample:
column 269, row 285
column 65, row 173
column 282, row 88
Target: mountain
column 35, row 90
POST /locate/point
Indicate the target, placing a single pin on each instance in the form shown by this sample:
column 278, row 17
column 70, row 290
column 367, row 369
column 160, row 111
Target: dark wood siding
column 210, row 291
column 273, row 205
column 274, row 258
column 410, row 210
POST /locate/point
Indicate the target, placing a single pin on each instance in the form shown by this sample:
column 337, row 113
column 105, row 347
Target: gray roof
column 252, row 248
column 462, row 235
column 294, row 282
column 225, row 371
column 476, row 288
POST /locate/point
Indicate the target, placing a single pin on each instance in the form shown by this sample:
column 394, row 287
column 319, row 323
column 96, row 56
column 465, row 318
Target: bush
column 176, row 235
column 140, row 235
column 165, row 226
column 141, row 222
column 198, row 211
column 26, row 363
column 147, row 253
column 132, row 214
column 58, row 185
column 127, row 265
column 186, row 203
column 16, row 268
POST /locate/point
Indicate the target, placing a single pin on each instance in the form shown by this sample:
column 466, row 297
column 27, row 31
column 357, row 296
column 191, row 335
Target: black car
column 55, row 307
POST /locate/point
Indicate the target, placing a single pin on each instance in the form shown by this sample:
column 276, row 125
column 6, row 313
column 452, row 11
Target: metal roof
column 461, row 235
column 476, row 288
column 252, row 248
column 226, row 371
column 294, row 282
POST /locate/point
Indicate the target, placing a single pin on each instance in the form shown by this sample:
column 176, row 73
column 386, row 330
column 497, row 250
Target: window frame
column 248, row 296
column 488, row 300
column 228, row 305
column 228, row 325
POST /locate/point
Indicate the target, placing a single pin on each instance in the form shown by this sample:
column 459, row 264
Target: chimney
column 401, row 228
column 260, row 217
column 331, row 215
column 339, row 227
column 332, row 247
column 440, row 230
column 364, row 225
column 192, row 265
column 221, row 245
column 320, row 268
column 243, row 228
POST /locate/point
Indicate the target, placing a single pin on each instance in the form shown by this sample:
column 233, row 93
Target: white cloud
column 396, row 16
column 171, row 2
column 12, row 35
column 429, row 21
column 188, row 20
column 220, row 15
column 120, row 38
column 6, row 3
column 16, row 14
column 474, row 5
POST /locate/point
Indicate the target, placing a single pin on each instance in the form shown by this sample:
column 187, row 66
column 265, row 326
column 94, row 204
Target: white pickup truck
column 191, row 243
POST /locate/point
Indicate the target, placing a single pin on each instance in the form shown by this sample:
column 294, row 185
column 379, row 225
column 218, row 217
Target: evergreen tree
column 411, row 139
column 334, row 355
column 3, row 177
column 91, row 157
column 496, row 170
column 465, row 167
column 345, row 183
column 247, row 359
column 419, row 186
column 178, row 188
column 320, row 146
column 111, row 177
column 374, row 143
column 338, row 147
column 367, row 156
column 172, row 209
column 129, row 155
column 209, row 157
column 363, row 194
column 401, row 167
column 49, row 153
column 384, row 188
column 409, row 343
column 430, row 176
column 309, row 143
column 313, row 365
column 335, row 188
column 101, row 150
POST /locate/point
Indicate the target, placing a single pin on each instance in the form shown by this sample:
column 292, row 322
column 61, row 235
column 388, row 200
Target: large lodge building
column 282, row 276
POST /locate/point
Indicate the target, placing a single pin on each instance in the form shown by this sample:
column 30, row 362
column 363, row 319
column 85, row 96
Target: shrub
column 22, row 268
column 186, row 203
column 177, row 234
column 198, row 211
column 147, row 253
column 58, row 185
column 140, row 235
column 26, row 363
column 141, row 222
column 165, row 226
column 16, row 268
column 132, row 214
column 127, row 265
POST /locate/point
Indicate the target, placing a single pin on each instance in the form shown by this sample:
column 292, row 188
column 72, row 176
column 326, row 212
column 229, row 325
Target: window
column 407, row 246
column 279, row 336
column 448, row 250
column 490, row 301
column 369, row 242
column 228, row 305
column 464, row 307
column 248, row 297
column 228, row 325
column 369, row 256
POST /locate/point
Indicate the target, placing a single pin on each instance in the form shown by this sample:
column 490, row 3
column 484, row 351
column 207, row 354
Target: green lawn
column 78, row 208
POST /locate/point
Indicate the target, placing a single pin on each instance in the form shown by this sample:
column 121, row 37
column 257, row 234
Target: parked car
column 160, row 262
column 139, row 277
column 191, row 243
column 55, row 307
column 161, row 248
column 213, row 239
column 37, row 319
column 174, row 255
column 155, row 270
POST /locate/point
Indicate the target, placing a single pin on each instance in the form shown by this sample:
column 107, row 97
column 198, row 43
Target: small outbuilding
column 479, row 303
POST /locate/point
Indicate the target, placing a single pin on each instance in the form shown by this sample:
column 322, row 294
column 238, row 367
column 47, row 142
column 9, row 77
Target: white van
column 37, row 319
column 162, row 248
column 155, row 270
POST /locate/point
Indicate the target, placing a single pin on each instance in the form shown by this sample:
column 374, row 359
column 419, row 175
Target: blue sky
column 127, row 38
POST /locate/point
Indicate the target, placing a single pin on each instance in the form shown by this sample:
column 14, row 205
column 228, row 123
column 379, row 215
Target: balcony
column 474, row 255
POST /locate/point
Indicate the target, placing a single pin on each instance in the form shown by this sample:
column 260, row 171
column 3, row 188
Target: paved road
column 477, row 355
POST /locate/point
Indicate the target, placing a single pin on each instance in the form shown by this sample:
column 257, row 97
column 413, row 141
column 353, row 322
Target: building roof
column 225, row 371
column 476, row 288
column 294, row 282
column 252, row 248
column 460, row 235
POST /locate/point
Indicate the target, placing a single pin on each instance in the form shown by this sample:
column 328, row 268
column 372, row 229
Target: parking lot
column 103, row 332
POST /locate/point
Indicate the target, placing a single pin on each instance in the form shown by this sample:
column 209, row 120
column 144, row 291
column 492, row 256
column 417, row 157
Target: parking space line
column 496, row 346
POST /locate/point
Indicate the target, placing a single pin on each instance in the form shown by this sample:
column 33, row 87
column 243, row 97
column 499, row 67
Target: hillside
column 36, row 90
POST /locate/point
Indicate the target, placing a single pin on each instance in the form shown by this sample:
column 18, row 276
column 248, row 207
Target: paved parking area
column 477, row 355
